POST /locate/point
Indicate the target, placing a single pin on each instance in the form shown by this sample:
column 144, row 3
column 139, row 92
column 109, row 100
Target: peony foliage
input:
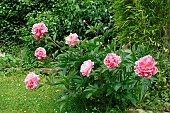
column 99, row 72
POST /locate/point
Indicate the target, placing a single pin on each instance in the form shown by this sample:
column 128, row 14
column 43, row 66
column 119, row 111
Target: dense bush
column 66, row 17
column 62, row 17
column 12, row 17
column 13, row 20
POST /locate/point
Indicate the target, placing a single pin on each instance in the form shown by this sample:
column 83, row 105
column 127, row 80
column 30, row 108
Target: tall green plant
column 140, row 21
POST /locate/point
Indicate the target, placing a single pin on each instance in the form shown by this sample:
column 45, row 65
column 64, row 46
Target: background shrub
column 61, row 17
column 12, row 18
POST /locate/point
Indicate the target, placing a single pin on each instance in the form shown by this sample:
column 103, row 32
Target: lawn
column 15, row 98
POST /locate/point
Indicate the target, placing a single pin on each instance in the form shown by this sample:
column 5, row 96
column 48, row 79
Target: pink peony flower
column 112, row 60
column 39, row 30
column 31, row 80
column 40, row 53
column 145, row 67
column 86, row 67
column 72, row 39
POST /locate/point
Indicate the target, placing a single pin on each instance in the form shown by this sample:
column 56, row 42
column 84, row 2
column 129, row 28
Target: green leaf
column 109, row 91
column 117, row 86
column 78, row 79
column 133, row 100
column 130, row 96
column 153, row 79
column 88, row 31
column 39, row 86
column 89, row 95
column 144, row 87
column 143, row 91
column 90, row 90
column 63, row 101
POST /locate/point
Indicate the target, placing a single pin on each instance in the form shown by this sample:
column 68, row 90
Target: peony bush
column 104, row 74
column 95, row 72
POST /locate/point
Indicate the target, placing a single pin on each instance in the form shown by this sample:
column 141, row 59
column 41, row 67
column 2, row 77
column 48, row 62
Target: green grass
column 15, row 98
